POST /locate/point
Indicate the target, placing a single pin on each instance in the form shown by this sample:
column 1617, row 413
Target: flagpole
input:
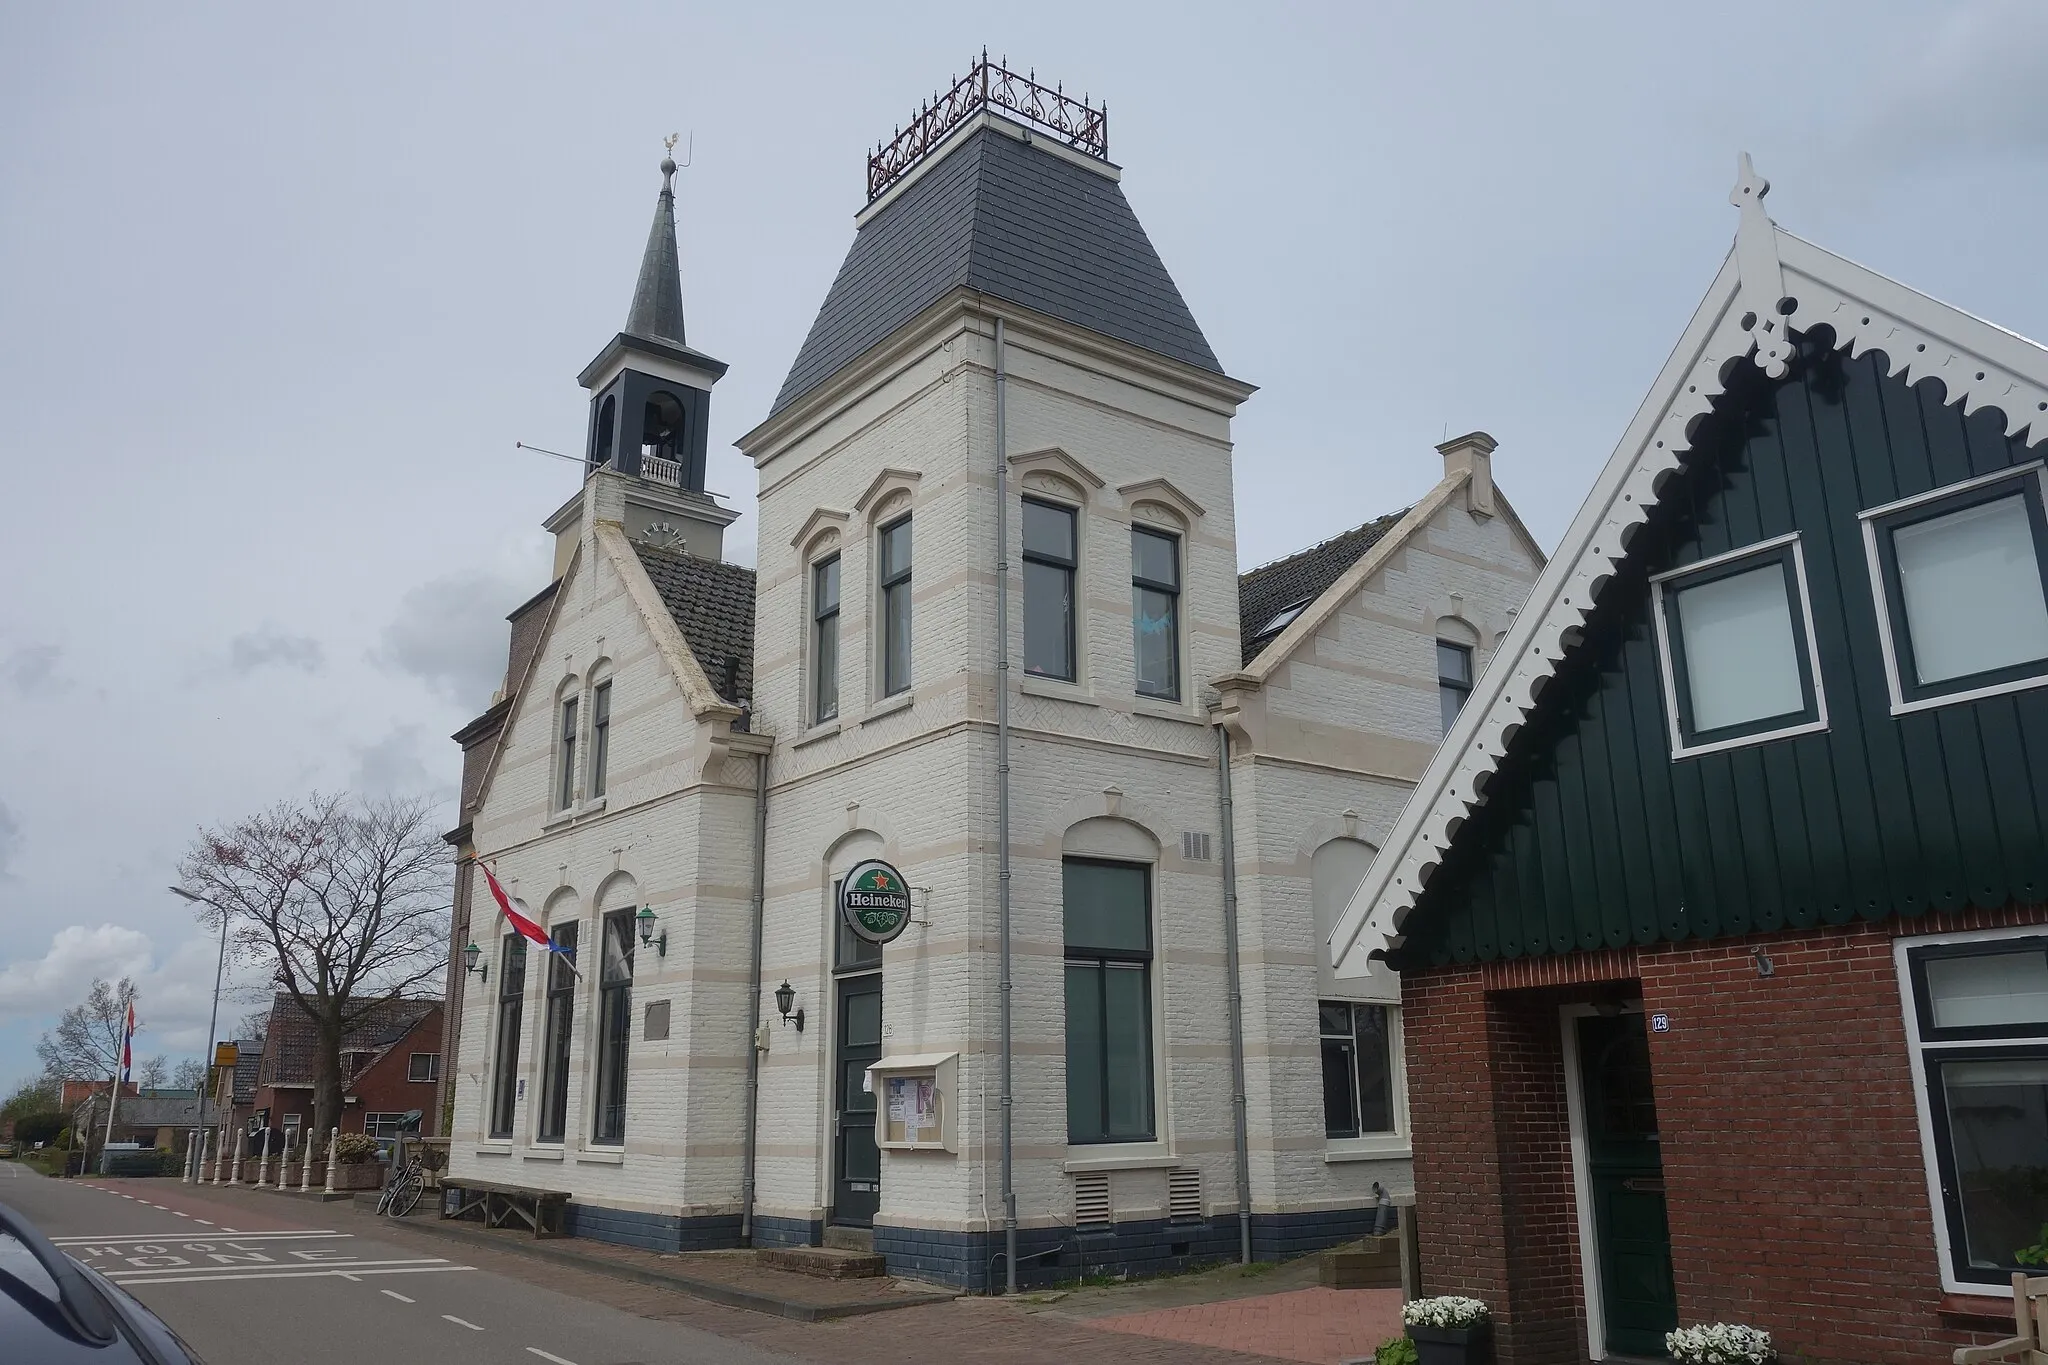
column 113, row 1098
column 120, row 1070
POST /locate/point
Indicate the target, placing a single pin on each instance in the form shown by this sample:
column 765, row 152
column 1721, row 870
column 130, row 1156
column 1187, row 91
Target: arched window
column 601, row 448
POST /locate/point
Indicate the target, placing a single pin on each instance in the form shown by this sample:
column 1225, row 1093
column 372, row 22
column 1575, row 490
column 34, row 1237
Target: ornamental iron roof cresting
column 989, row 85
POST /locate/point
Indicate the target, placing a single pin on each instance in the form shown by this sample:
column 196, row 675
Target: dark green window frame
column 1110, row 1082
column 555, row 1026
column 565, row 791
column 1880, row 525
column 1453, row 679
column 825, row 640
column 1358, row 1068
column 614, row 1028
column 1669, row 588
column 893, row 557
column 1051, row 571
column 1155, row 597
column 600, row 736
column 505, row 1058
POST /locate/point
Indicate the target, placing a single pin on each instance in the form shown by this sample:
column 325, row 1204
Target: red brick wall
column 383, row 1088
column 1794, row 1178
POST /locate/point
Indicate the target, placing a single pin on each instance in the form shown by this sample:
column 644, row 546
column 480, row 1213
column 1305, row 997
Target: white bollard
column 333, row 1136
column 220, row 1154
column 205, row 1152
column 263, row 1162
column 306, row 1167
column 235, row 1171
column 191, row 1159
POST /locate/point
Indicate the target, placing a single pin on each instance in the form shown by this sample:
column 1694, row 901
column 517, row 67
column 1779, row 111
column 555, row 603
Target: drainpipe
column 754, row 1000
column 1003, row 801
column 1237, row 1099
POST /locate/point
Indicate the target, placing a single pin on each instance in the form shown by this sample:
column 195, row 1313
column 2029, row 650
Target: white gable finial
column 1763, row 282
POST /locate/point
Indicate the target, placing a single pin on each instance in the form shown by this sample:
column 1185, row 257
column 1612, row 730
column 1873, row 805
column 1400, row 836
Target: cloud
column 31, row 671
column 10, row 840
column 392, row 766
column 450, row 633
column 271, row 644
column 59, row 978
column 1971, row 88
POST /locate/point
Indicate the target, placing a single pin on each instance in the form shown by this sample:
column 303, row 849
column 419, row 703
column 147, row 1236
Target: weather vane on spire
column 668, row 160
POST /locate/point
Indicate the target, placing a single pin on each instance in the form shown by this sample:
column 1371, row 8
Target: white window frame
column 434, row 1068
column 1869, row 519
column 1668, row 677
column 395, row 1116
column 1373, row 1146
column 1915, row 1052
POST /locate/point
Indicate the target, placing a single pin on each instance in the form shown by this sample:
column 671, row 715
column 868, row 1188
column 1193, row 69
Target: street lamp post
column 212, row 1019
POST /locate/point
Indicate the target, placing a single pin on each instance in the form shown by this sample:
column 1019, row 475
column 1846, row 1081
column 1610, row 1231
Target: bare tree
column 189, row 1074
column 151, row 1071
column 86, row 1044
column 254, row 1024
column 343, row 899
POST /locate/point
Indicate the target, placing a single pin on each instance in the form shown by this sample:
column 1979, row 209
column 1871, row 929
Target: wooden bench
column 2029, row 1309
column 538, row 1210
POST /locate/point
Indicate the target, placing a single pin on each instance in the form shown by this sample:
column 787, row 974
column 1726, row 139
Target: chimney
column 1472, row 454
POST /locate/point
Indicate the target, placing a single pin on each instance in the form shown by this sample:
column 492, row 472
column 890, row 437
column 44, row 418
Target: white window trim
column 565, row 763
column 1368, row 1146
column 435, row 1068
column 1936, row 1208
column 600, row 676
column 1080, row 1155
column 1869, row 519
column 1679, row 748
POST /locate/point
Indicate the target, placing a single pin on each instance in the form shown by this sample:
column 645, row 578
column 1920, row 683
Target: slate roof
column 657, row 311
column 289, row 1045
column 1301, row 577
column 157, row 1111
column 248, row 1061
column 713, row 605
column 1018, row 222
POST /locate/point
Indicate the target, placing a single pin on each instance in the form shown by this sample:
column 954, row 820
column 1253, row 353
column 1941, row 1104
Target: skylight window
column 1283, row 618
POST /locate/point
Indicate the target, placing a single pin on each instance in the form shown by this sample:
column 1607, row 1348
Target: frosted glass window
column 1988, row 990
column 1972, row 590
column 1741, row 652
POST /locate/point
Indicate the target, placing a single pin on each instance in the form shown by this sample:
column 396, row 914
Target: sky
column 281, row 288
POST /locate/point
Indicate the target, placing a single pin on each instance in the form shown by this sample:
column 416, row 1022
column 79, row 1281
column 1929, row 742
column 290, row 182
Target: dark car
column 54, row 1311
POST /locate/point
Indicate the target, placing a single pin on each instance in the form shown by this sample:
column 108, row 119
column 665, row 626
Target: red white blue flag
column 128, row 1043
column 526, row 928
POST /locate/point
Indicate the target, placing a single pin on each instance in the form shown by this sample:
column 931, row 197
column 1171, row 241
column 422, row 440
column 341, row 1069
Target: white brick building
column 863, row 677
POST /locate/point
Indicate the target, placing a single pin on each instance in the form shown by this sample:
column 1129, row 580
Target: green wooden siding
column 1594, row 837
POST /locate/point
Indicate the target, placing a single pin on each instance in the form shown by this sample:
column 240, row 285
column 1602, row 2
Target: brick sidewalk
column 1318, row 1326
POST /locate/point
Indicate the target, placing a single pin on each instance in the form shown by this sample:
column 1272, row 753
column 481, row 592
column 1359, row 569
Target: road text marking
column 298, row 1275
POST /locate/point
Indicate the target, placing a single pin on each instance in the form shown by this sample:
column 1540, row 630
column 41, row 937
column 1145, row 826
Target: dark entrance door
column 1631, row 1235
column 856, row 1162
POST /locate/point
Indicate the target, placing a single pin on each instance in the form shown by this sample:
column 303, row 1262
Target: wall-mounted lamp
column 785, row 996
column 1764, row 965
column 470, row 956
column 645, row 919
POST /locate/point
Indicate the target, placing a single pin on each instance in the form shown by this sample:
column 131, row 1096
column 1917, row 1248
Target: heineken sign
column 874, row 901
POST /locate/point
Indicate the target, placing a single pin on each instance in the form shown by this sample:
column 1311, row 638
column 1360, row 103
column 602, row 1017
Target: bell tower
column 650, row 400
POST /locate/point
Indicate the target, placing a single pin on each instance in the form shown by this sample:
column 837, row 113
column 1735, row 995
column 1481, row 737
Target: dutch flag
column 527, row 929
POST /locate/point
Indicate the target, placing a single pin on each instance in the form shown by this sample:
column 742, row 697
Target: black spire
column 657, row 313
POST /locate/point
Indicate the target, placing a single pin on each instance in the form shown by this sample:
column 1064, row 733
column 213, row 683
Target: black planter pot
column 1449, row 1345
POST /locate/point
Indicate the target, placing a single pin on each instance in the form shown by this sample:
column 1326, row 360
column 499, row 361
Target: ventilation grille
column 1194, row 846
column 1184, row 1194
column 1091, row 1199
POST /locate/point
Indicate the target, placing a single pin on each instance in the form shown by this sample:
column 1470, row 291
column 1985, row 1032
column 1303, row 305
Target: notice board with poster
column 914, row 1105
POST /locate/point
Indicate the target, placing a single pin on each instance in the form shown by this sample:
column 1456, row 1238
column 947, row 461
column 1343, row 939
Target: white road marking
column 159, row 1206
column 181, row 1214
column 301, row 1275
column 549, row 1355
column 163, row 1236
column 124, row 1276
column 460, row 1323
column 207, row 1221
column 393, row 1293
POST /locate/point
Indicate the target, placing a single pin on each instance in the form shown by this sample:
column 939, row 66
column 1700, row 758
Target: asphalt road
column 287, row 1287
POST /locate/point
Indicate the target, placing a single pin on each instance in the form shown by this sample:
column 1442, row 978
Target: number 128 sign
column 874, row 901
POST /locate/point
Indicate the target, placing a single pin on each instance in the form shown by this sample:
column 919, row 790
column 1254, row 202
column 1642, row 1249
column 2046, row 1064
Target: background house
column 390, row 1062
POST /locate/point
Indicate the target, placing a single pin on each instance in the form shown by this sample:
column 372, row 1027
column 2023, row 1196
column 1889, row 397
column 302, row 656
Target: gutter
column 1239, row 1137
column 753, row 1099
column 1009, row 1187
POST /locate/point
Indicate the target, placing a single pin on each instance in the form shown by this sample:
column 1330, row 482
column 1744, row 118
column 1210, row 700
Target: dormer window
column 1735, row 640
column 1962, row 599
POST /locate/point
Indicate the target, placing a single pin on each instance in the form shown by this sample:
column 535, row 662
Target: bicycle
column 407, row 1180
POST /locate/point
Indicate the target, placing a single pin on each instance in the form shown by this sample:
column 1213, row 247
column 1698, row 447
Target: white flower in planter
column 1720, row 1343
column 1448, row 1311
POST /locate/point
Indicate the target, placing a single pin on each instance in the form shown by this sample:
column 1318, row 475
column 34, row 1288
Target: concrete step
column 850, row 1239
column 826, row 1263
column 1374, row 1263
